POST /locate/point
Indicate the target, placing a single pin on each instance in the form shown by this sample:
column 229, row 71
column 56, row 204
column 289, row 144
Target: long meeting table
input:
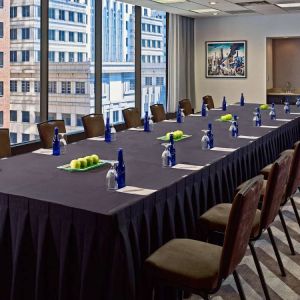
column 64, row 236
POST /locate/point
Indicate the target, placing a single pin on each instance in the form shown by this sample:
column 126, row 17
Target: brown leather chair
column 132, row 117
column 216, row 219
column 46, row 131
column 5, row 149
column 209, row 101
column 158, row 112
column 200, row 267
column 187, row 106
column 93, row 125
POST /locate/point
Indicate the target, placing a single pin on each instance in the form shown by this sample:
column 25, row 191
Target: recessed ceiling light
column 169, row 1
column 212, row 3
column 205, row 10
column 284, row 5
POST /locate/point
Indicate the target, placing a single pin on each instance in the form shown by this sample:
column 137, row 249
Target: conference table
column 63, row 235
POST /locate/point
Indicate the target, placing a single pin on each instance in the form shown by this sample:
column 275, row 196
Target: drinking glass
column 62, row 143
column 113, row 133
column 205, row 141
column 166, row 155
column 111, row 177
column 182, row 115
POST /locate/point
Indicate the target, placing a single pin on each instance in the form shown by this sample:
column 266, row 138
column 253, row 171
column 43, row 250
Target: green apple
column 175, row 135
column 180, row 134
column 264, row 106
column 95, row 158
column 168, row 135
column 223, row 118
column 229, row 117
column 89, row 161
column 75, row 164
column 83, row 163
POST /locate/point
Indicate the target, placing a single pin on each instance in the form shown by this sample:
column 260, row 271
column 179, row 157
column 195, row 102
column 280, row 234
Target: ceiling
column 223, row 7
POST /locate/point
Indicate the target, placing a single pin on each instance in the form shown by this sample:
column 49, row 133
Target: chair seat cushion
column 186, row 263
column 216, row 219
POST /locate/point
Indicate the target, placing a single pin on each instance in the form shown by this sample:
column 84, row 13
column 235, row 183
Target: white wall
column 254, row 29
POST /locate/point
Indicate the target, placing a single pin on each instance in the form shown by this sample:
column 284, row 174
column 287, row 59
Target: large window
column 153, row 58
column 118, row 57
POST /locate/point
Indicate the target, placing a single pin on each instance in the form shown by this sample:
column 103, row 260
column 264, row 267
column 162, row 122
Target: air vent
column 239, row 12
column 253, row 3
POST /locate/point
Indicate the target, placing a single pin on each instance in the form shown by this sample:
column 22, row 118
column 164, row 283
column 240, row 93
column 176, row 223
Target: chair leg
column 295, row 210
column 260, row 272
column 276, row 252
column 286, row 232
column 239, row 285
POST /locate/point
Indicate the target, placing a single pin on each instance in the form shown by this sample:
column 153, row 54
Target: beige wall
column 254, row 29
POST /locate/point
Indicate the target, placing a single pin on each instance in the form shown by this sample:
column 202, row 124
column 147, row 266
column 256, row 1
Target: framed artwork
column 226, row 59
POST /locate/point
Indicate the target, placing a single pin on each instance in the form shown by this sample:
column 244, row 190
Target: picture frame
column 226, row 59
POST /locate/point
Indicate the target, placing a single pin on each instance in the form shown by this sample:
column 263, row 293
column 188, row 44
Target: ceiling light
column 169, row 1
column 205, row 10
column 286, row 5
column 212, row 3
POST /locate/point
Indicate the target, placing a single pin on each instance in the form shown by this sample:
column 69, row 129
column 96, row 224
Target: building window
column 148, row 80
column 143, row 27
column 51, row 55
column 25, row 86
column 13, row 34
column 80, row 57
column 66, row 87
column 25, row 34
column 71, row 36
column 13, row 116
column 115, row 116
column 37, row 56
column 153, row 44
column 131, row 85
column 25, row 55
column 159, row 29
column 158, row 44
column 37, row 117
column 1, row 59
column 1, row 30
column 71, row 56
column 80, row 17
column 13, row 137
column 61, row 15
column 61, row 56
column 1, row 3
column 52, row 87
column 67, row 119
column 1, row 118
column 51, row 116
column 1, row 89
column 153, row 28
column 13, row 85
column 13, row 56
column 80, row 88
column 80, row 37
column 25, row 11
column 143, row 43
column 51, row 13
column 51, row 35
column 37, row 87
column 79, row 120
column 25, row 137
column 160, row 81
column 13, row 12
column 61, row 36
column 71, row 16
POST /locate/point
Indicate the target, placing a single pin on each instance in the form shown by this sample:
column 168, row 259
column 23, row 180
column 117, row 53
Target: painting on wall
column 226, row 59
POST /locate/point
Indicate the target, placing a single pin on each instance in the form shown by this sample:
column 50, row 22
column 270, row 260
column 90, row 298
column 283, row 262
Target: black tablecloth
column 64, row 236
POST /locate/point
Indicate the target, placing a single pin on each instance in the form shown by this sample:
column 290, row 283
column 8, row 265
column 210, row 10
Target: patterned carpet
column 288, row 287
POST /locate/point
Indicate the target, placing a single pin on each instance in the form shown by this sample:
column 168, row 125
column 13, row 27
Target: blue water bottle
column 234, row 130
column 121, row 169
column 242, row 100
column 210, row 136
column 224, row 104
column 178, row 116
column 172, row 151
column 146, row 122
column 273, row 112
column 258, row 119
column 286, row 108
column 235, row 119
column 203, row 110
column 107, row 133
column 56, row 143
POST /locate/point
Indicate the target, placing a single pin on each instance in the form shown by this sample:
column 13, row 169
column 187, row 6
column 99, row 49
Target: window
column 51, row 116
column 71, row 16
column 25, row 33
column 51, row 55
column 51, row 13
column 52, row 87
column 37, row 87
column 1, row 60
column 13, row 85
column 51, row 35
column 79, row 120
column 154, row 86
column 13, row 34
column 13, row 116
column 115, row 116
column 67, row 119
column 66, row 87
column 80, row 88
column 13, row 137
column 1, row 30
column 25, row 55
column 13, row 12
column 61, row 35
column 38, row 33
column 37, row 56
column 71, row 56
column 37, row 117
column 61, row 56
column 1, row 89
column 25, row 11
column 25, row 86
column 1, row 118
column 25, row 137
column 80, row 57
column 80, row 17
column 143, row 27
column 61, row 15
column 71, row 36
column 143, row 43
column 13, row 56
column 1, row 3
column 80, row 37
